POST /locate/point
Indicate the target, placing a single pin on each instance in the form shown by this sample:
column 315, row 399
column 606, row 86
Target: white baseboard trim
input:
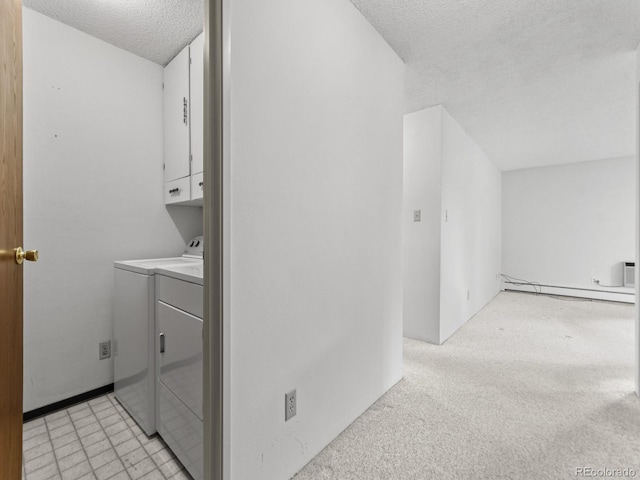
column 626, row 296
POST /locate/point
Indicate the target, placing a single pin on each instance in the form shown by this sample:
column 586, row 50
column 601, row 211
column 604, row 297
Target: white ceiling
column 533, row 82
column 153, row 29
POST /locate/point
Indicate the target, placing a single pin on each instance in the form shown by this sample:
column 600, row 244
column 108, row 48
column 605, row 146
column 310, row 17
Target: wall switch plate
column 416, row 215
column 104, row 350
column 290, row 405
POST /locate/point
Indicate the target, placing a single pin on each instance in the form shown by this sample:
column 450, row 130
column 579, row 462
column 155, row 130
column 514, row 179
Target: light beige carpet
column 532, row 387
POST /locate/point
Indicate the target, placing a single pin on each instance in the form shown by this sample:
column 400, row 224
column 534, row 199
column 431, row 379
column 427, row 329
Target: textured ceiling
column 153, row 29
column 534, row 82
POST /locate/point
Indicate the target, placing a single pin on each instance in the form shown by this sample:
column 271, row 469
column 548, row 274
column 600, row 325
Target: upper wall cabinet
column 183, row 125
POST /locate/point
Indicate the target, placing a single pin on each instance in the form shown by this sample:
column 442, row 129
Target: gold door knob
column 21, row 255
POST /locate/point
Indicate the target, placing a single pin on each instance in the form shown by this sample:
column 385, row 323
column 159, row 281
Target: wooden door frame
column 11, row 219
column 216, row 240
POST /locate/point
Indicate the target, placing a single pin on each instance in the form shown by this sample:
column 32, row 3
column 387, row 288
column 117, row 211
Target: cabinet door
column 197, row 103
column 176, row 117
column 197, row 186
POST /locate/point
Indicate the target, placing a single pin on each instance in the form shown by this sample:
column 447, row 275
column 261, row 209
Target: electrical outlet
column 104, row 350
column 290, row 405
column 416, row 215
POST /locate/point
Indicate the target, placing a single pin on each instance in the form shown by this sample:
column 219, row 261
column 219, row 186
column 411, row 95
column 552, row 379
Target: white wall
column 451, row 257
column 92, row 194
column 316, row 208
column 421, row 240
column 471, row 228
column 563, row 225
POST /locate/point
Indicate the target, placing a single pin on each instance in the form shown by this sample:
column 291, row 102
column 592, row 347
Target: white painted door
column 176, row 117
column 197, row 105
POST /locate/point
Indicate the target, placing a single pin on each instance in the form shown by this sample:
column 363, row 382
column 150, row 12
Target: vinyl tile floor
column 95, row 440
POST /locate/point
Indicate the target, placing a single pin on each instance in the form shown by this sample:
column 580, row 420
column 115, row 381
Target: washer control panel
column 195, row 248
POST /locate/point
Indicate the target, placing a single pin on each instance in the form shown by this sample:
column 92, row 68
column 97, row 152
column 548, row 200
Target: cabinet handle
column 185, row 110
column 161, row 343
column 174, row 190
column 201, row 184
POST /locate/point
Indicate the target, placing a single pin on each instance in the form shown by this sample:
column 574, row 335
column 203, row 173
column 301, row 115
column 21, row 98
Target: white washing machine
column 134, row 363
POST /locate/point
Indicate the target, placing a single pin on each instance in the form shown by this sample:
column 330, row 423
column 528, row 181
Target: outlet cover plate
column 290, row 405
column 104, row 350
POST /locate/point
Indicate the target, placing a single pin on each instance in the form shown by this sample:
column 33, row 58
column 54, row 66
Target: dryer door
column 180, row 365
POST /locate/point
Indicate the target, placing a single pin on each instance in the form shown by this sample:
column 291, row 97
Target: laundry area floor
column 95, row 440
column 532, row 387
